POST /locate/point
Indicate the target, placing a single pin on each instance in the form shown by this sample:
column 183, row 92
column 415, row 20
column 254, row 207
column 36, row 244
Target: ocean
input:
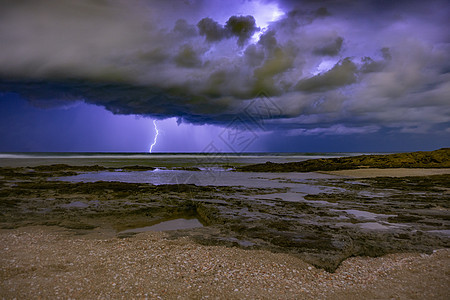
column 158, row 160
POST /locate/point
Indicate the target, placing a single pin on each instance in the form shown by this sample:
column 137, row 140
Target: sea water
column 155, row 159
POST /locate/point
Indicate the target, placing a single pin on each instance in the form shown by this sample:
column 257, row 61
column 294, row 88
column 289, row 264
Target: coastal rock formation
column 431, row 159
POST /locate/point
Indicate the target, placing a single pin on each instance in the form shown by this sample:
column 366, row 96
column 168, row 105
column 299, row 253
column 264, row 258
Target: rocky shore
column 431, row 159
column 337, row 219
column 370, row 233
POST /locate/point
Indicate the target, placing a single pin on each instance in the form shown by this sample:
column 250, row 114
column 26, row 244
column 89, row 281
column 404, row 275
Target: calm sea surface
column 159, row 160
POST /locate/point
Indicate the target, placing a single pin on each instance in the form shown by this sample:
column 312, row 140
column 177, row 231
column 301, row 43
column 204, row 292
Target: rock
column 432, row 159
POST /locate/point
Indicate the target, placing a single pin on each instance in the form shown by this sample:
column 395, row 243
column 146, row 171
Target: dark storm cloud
column 211, row 29
column 342, row 74
column 268, row 40
column 354, row 65
column 242, row 27
column 117, row 98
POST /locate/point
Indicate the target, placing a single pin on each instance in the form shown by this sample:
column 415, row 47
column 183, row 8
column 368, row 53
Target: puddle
column 442, row 232
column 242, row 243
column 373, row 226
column 357, row 183
column 370, row 225
column 204, row 178
column 75, row 204
column 176, row 224
column 360, row 214
column 372, row 194
column 378, row 226
column 363, row 215
column 291, row 197
column 319, row 203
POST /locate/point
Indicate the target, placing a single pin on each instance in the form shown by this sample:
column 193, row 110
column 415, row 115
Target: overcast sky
column 311, row 75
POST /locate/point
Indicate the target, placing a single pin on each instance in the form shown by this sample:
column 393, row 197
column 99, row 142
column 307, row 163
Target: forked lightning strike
column 156, row 136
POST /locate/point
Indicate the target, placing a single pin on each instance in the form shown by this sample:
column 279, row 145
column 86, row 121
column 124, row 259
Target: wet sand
column 49, row 263
column 395, row 172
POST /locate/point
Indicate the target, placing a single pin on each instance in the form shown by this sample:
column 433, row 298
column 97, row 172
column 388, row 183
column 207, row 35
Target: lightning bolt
column 156, row 136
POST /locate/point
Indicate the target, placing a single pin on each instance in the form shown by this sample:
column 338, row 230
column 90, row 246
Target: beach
column 137, row 228
column 49, row 263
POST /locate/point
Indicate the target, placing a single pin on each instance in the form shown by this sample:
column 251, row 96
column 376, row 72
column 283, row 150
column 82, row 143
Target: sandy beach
column 50, row 263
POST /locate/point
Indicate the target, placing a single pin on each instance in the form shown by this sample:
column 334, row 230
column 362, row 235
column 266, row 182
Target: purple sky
column 236, row 76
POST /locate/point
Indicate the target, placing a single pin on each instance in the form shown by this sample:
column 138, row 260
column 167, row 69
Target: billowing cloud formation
column 342, row 74
column 350, row 68
column 242, row 27
column 212, row 30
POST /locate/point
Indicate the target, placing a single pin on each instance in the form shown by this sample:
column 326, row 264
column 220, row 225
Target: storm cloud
column 352, row 68
column 242, row 27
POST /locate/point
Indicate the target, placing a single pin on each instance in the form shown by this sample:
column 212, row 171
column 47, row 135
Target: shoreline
column 36, row 262
column 391, row 172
